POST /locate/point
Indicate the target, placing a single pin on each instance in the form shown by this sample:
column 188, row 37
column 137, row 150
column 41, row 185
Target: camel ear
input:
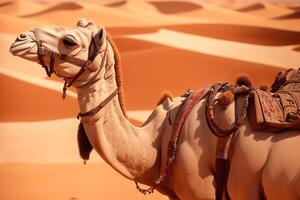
column 83, row 23
column 100, row 36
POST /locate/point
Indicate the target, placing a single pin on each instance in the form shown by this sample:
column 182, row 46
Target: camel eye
column 69, row 42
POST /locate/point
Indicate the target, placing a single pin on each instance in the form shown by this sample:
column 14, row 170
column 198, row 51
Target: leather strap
column 180, row 119
column 173, row 145
column 82, row 70
column 224, row 136
column 100, row 106
column 209, row 113
column 43, row 51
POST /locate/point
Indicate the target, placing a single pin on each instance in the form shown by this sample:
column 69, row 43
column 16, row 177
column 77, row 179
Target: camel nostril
column 22, row 36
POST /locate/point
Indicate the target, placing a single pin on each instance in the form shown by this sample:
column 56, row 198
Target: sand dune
column 211, row 13
column 67, row 182
column 173, row 7
column 295, row 8
column 189, row 70
column 148, row 12
column 117, row 3
column 5, row 2
column 14, row 25
column 164, row 44
column 297, row 49
column 33, row 141
column 17, row 7
column 294, row 15
column 252, row 7
column 215, row 14
column 134, row 6
column 126, row 45
column 274, row 56
column 68, row 6
column 265, row 9
column 239, row 33
column 116, row 31
column 36, row 101
column 131, row 14
column 108, row 17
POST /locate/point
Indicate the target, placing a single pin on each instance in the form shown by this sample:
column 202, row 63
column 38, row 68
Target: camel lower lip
column 20, row 48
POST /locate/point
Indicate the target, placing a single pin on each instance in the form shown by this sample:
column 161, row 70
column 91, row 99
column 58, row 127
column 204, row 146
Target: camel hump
column 165, row 95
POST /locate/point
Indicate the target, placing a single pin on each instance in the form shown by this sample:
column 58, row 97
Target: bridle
column 83, row 64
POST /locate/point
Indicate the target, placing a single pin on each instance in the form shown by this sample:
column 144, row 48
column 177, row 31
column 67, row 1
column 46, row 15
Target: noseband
column 83, row 64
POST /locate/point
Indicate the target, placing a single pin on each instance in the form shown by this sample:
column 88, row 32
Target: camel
column 263, row 165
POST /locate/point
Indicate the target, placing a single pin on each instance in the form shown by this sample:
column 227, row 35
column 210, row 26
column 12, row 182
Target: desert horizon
column 165, row 45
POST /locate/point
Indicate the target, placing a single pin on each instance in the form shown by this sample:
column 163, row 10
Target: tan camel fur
column 262, row 164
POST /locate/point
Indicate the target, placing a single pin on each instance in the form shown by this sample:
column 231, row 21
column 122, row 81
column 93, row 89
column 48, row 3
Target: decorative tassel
column 64, row 90
column 84, row 144
column 150, row 190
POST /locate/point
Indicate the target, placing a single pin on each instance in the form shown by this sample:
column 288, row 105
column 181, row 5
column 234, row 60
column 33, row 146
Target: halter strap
column 84, row 64
column 41, row 52
column 82, row 70
column 99, row 107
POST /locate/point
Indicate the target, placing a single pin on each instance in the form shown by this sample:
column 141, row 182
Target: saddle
column 278, row 109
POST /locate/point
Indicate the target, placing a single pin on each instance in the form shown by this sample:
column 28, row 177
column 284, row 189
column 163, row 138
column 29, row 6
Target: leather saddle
column 278, row 109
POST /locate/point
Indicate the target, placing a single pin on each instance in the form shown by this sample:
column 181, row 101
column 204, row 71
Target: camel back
column 279, row 109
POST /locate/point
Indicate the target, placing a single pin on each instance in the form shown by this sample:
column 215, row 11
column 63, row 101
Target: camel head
column 66, row 52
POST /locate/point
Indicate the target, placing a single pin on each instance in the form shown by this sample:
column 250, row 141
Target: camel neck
column 132, row 151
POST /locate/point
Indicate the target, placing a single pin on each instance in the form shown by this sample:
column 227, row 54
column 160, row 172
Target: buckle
column 87, row 63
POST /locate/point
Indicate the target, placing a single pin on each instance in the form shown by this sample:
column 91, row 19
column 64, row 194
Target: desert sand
column 165, row 45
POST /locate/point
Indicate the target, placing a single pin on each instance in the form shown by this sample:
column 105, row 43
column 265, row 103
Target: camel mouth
column 23, row 46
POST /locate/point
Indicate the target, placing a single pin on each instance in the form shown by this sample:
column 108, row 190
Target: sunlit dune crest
column 256, row 6
column 100, row 14
column 240, row 33
column 264, row 9
column 173, row 7
column 115, row 31
column 126, row 45
column 117, row 3
column 269, row 55
column 211, row 13
column 68, row 6
column 150, row 14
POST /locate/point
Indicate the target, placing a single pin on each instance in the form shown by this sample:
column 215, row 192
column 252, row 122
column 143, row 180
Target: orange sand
column 148, row 70
column 67, row 182
column 173, row 7
column 297, row 49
